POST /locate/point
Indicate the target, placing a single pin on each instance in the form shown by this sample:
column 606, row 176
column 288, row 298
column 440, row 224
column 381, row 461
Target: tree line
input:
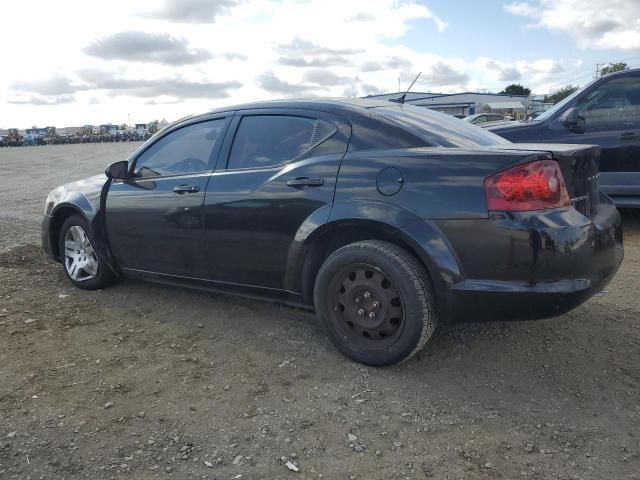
column 85, row 135
column 561, row 93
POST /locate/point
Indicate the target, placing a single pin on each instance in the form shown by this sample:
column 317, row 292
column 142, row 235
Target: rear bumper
column 535, row 265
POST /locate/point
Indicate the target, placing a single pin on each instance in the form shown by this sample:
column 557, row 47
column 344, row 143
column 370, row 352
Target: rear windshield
column 438, row 128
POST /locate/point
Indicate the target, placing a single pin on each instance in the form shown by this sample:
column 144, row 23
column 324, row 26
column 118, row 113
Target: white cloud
column 613, row 24
column 152, row 60
column 147, row 47
column 191, row 11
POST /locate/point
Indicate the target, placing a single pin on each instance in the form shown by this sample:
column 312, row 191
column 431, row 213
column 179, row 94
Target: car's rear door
column 611, row 114
column 155, row 221
column 278, row 174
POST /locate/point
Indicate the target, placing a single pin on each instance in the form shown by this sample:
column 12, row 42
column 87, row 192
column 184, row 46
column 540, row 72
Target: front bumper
column 534, row 265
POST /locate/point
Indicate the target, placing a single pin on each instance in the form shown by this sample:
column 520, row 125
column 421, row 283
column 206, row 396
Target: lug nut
column 376, row 304
column 361, row 312
column 372, row 315
column 358, row 299
column 367, row 295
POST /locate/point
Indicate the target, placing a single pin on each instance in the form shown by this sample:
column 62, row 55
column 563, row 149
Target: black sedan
column 383, row 218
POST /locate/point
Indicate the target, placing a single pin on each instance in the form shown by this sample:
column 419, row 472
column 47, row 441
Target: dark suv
column 606, row 113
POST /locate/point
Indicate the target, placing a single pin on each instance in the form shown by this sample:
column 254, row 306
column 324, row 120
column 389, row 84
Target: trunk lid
column 579, row 165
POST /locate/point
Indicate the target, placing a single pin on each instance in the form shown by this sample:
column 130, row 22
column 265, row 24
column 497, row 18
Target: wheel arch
column 60, row 215
column 419, row 237
column 93, row 217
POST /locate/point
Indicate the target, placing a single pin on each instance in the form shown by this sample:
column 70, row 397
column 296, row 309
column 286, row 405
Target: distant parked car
column 606, row 112
column 460, row 115
column 482, row 118
column 383, row 218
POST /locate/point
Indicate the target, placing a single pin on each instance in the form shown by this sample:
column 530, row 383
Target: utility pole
column 598, row 69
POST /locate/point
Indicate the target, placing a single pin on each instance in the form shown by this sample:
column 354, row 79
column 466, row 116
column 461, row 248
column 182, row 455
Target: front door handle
column 304, row 182
column 628, row 136
column 186, row 189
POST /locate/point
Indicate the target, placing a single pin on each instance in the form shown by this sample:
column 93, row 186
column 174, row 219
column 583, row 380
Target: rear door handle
column 304, row 182
column 628, row 136
column 186, row 189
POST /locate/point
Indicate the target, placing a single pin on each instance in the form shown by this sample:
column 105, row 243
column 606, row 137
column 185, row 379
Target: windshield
column 439, row 128
column 558, row 106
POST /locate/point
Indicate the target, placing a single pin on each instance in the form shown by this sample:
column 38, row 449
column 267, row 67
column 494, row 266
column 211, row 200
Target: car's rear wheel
column 80, row 260
column 376, row 302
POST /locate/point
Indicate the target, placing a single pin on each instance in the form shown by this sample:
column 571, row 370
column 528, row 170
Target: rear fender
column 348, row 222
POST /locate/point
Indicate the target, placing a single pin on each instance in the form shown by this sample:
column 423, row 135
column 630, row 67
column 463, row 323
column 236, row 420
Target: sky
column 69, row 63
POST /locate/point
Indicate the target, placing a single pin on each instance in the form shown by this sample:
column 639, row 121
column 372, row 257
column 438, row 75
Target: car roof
column 347, row 103
column 335, row 105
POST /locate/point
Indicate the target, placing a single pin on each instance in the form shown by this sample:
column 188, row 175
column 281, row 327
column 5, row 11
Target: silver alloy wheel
column 80, row 258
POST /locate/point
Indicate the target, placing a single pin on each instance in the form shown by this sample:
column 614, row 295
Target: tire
column 90, row 272
column 380, row 278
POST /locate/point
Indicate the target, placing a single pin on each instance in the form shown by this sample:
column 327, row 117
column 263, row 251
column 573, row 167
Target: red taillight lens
column 533, row 186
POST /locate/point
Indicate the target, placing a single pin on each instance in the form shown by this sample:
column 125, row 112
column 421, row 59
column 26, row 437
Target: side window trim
column 214, row 157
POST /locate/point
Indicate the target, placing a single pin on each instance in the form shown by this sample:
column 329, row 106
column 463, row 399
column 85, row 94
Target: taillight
column 533, row 186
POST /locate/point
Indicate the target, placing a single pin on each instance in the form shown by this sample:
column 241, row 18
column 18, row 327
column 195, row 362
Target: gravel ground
column 147, row 381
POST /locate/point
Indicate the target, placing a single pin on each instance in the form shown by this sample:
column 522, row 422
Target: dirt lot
column 145, row 381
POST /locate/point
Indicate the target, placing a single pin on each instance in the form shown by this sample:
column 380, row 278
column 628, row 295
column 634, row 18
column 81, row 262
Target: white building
column 467, row 103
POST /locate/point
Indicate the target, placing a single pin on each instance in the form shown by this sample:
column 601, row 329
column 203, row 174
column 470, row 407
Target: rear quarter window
column 376, row 132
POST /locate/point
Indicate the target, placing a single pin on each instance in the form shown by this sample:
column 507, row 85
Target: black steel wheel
column 366, row 305
column 375, row 301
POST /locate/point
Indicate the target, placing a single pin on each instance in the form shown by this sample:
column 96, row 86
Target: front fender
column 76, row 201
column 90, row 206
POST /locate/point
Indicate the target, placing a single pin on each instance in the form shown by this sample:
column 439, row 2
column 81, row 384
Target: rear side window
column 438, row 129
column 271, row 140
column 183, row 151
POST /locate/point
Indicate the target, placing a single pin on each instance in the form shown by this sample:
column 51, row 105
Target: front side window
column 271, row 140
column 183, row 151
column 617, row 101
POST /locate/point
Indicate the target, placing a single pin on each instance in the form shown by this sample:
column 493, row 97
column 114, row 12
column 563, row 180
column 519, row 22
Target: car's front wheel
column 80, row 261
column 376, row 302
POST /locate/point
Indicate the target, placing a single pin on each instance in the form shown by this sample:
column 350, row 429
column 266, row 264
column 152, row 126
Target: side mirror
column 118, row 170
column 572, row 119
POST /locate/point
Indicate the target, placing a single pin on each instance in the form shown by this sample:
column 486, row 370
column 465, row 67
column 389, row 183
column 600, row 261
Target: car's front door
column 281, row 170
column 154, row 221
column 611, row 118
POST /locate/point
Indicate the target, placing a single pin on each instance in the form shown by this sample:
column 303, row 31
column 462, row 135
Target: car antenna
column 402, row 98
